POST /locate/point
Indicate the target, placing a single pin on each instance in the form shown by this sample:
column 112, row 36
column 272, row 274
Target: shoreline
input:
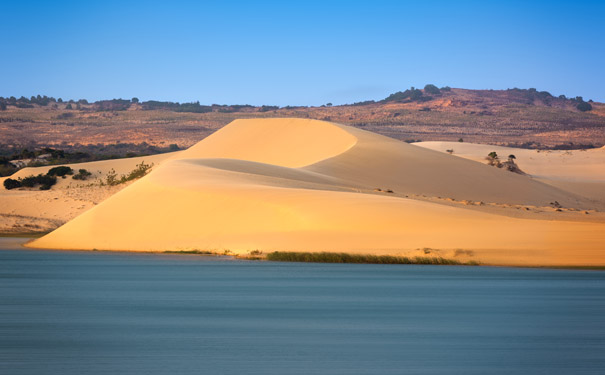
column 313, row 257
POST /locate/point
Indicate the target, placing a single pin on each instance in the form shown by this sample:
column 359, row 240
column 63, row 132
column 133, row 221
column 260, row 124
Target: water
column 118, row 313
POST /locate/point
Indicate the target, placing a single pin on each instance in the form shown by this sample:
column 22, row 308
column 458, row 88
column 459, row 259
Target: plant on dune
column 60, row 171
column 111, row 178
column 493, row 159
column 82, row 174
column 45, row 181
column 510, row 165
column 9, row 184
column 141, row 170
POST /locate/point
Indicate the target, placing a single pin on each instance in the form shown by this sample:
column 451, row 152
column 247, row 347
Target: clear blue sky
column 297, row 53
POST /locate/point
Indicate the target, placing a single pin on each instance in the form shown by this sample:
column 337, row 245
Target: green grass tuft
column 325, row 257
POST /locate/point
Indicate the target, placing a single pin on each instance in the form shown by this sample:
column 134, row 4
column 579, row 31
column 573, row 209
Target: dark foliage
column 60, row 171
column 9, row 184
column 432, row 89
column 44, row 181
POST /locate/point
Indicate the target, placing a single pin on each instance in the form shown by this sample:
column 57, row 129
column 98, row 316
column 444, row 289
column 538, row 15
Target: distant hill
column 516, row 117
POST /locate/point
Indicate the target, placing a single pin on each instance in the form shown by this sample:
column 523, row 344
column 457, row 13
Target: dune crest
column 307, row 185
column 290, row 143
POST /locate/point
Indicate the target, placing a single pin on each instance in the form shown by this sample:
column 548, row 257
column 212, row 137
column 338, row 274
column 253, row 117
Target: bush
column 583, row 106
column 45, row 181
column 141, row 170
column 60, row 171
column 432, row 89
column 9, row 184
column 82, row 174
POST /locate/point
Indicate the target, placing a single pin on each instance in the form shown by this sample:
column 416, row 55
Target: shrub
column 111, row 178
column 583, row 106
column 45, row 181
column 432, row 89
column 140, row 171
column 82, row 174
column 9, row 184
column 60, row 171
column 493, row 160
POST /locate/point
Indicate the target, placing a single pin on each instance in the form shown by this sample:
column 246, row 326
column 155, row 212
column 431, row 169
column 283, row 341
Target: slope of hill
column 526, row 118
column 346, row 190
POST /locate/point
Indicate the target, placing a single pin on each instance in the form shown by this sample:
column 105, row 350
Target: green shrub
column 45, row 181
column 432, row 89
column 60, row 171
column 9, row 184
column 583, row 106
column 82, row 174
column 325, row 257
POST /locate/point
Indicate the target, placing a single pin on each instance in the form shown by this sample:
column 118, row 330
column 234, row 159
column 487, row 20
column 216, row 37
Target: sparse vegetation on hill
column 514, row 117
column 82, row 174
column 141, row 170
column 60, row 171
column 44, row 181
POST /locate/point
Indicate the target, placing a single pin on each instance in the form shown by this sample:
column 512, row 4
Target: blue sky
column 297, row 53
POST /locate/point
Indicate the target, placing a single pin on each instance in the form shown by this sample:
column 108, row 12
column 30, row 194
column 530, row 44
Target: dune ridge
column 307, row 185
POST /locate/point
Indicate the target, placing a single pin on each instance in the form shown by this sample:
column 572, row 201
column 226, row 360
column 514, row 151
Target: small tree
column 9, row 184
column 583, row 106
column 432, row 89
column 460, row 140
column 134, row 100
column 493, row 160
column 68, row 106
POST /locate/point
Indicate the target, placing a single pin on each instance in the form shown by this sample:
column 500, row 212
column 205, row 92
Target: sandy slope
column 30, row 210
column 306, row 185
column 577, row 171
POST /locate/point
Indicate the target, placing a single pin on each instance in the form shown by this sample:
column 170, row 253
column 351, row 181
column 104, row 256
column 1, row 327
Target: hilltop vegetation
column 121, row 127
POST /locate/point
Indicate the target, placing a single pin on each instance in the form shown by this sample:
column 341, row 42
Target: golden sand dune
column 306, row 185
column 576, row 171
column 31, row 211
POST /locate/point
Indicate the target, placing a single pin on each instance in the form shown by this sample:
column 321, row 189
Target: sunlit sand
column 307, row 185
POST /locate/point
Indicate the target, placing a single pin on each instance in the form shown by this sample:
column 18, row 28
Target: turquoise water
column 119, row 313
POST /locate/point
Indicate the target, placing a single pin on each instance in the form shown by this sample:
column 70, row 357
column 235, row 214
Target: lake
column 124, row 313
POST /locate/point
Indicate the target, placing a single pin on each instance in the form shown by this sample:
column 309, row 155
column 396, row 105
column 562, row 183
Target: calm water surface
column 118, row 313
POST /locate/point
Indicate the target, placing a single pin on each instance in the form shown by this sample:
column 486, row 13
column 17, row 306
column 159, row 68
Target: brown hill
column 526, row 118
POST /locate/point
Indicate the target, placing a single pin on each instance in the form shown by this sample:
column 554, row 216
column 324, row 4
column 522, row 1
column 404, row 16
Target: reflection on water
column 99, row 312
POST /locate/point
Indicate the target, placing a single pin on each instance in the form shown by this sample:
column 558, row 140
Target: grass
column 324, row 257
column 198, row 252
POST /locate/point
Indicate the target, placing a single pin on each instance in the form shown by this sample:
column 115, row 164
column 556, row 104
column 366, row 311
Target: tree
column 134, row 100
column 68, row 106
column 583, row 106
column 432, row 89
column 493, row 160
column 2, row 106
column 460, row 140
column 9, row 184
column 511, row 157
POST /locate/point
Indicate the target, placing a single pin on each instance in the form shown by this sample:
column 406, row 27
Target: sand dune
column 577, row 171
column 306, row 185
column 30, row 211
